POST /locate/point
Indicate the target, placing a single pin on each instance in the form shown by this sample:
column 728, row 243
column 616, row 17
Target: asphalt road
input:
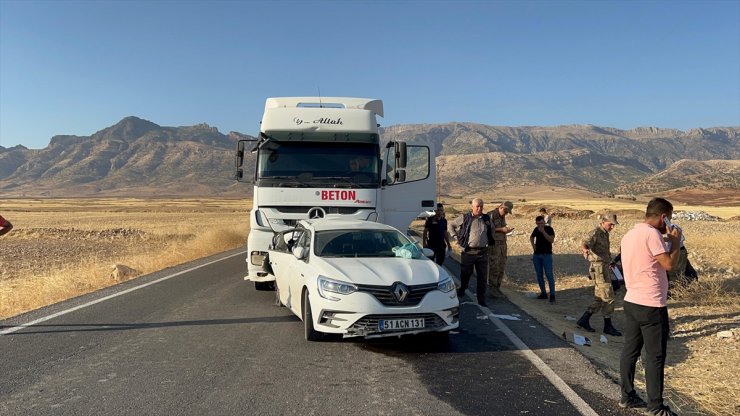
column 205, row 342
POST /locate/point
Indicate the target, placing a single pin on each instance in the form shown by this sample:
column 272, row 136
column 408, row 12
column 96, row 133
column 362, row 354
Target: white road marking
column 569, row 394
column 123, row 292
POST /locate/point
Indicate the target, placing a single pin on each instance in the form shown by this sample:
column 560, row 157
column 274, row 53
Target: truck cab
column 321, row 157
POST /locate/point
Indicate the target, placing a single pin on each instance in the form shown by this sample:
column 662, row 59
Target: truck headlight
column 327, row 286
column 446, row 285
column 258, row 258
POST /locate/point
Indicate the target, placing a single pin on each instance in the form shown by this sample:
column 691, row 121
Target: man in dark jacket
column 473, row 232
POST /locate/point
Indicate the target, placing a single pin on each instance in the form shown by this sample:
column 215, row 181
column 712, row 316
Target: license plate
column 400, row 324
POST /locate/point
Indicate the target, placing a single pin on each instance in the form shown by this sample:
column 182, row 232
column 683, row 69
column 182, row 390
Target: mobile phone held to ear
column 667, row 223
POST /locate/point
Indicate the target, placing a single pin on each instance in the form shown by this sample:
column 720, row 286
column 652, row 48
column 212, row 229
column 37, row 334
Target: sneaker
column 542, row 296
column 552, row 298
column 661, row 411
column 632, row 402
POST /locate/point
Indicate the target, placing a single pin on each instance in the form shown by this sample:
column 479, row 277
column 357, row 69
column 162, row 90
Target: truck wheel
column 264, row 285
column 308, row 330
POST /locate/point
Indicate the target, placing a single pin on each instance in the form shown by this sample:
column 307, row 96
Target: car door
column 283, row 263
column 300, row 269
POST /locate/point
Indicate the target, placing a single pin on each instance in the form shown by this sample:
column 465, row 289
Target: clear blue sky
column 77, row 67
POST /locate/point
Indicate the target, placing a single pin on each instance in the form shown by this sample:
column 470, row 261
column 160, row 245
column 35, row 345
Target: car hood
column 383, row 271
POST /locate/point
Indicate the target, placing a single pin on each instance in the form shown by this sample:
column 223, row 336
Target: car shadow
column 98, row 327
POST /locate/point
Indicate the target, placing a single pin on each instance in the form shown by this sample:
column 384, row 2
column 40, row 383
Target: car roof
column 325, row 224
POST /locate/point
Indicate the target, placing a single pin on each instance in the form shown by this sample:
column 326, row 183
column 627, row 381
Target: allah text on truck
column 322, row 120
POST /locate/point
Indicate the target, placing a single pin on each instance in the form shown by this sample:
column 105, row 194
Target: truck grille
column 304, row 210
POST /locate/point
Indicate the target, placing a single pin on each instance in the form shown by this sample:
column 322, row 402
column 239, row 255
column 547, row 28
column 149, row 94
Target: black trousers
column 478, row 260
column 439, row 253
column 644, row 326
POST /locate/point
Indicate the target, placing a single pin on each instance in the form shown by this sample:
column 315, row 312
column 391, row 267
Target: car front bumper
column 358, row 314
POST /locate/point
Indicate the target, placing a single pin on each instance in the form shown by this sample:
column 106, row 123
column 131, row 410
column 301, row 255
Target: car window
column 358, row 243
column 305, row 240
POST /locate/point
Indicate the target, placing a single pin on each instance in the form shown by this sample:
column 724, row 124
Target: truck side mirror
column 400, row 148
column 401, row 175
column 239, row 153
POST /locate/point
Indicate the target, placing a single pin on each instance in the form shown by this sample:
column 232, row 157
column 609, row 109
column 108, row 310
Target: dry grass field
column 701, row 366
column 63, row 248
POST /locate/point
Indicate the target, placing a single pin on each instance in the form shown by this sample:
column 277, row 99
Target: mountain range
column 136, row 157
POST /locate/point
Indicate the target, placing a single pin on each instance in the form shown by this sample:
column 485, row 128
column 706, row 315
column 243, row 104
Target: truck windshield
column 301, row 164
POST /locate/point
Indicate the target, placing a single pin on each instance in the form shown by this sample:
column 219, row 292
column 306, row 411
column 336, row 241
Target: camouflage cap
column 610, row 217
column 508, row 206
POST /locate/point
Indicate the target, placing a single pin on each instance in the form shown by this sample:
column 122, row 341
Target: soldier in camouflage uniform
column 595, row 249
column 497, row 253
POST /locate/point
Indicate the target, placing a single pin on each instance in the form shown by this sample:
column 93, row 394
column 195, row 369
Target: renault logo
column 316, row 213
column 400, row 291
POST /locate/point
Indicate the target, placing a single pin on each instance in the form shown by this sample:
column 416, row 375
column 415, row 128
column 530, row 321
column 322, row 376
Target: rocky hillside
column 133, row 157
column 710, row 174
column 578, row 156
column 136, row 157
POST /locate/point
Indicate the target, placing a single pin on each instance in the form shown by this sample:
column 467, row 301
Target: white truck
column 319, row 157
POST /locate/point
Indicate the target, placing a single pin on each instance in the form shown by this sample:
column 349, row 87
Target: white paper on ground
column 603, row 339
column 581, row 340
column 569, row 318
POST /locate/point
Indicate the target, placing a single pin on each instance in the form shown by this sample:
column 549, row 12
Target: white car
column 343, row 277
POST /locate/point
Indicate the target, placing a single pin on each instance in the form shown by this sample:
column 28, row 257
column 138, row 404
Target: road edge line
column 569, row 394
column 114, row 295
column 563, row 387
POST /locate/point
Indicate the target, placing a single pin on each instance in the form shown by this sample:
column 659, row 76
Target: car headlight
column 327, row 286
column 446, row 285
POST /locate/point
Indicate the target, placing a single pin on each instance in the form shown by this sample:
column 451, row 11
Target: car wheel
column 309, row 332
column 264, row 285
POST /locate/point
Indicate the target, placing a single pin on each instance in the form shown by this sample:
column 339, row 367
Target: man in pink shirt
column 645, row 260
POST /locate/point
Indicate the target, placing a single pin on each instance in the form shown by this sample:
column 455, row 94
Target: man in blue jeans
column 541, row 239
column 645, row 260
